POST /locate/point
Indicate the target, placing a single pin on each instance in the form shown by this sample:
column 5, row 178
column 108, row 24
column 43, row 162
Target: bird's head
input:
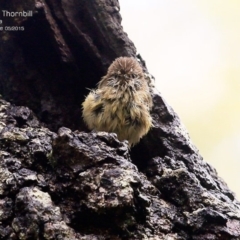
column 123, row 70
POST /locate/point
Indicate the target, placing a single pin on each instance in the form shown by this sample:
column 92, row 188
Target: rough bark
column 71, row 184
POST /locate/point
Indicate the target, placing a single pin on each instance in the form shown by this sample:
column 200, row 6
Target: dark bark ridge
column 79, row 185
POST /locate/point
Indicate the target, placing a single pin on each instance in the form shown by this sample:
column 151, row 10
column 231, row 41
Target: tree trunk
column 79, row 185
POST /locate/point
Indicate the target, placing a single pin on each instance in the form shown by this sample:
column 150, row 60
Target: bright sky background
column 192, row 48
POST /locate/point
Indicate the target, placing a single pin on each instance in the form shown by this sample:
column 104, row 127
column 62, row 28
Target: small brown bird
column 121, row 103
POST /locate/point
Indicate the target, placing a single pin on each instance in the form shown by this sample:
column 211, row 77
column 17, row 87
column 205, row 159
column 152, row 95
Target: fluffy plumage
column 121, row 103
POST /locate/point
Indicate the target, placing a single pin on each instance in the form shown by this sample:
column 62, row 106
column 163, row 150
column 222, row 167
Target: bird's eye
column 133, row 75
